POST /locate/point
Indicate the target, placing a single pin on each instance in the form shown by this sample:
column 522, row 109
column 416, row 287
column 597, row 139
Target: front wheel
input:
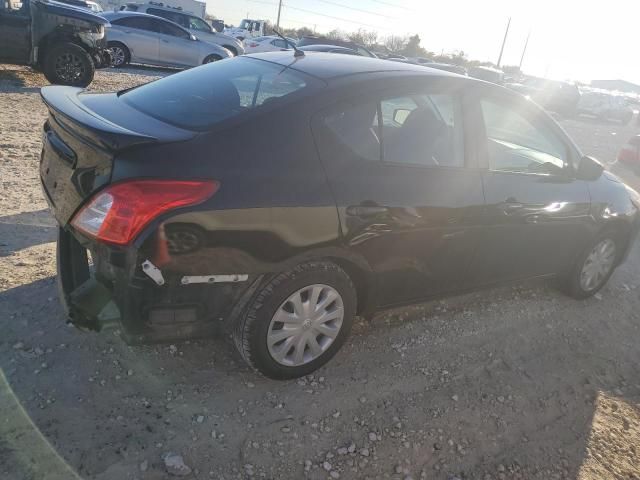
column 298, row 321
column 594, row 267
column 211, row 58
column 68, row 64
column 120, row 54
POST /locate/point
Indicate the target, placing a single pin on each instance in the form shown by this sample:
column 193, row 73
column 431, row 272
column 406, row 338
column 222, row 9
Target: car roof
column 329, row 65
column 128, row 13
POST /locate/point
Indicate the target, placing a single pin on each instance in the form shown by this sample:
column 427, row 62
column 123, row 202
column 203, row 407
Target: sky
column 570, row 39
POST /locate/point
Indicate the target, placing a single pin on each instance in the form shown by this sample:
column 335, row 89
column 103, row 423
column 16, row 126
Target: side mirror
column 400, row 115
column 589, row 169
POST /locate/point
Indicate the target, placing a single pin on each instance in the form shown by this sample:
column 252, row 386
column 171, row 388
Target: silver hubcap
column 305, row 325
column 118, row 55
column 598, row 265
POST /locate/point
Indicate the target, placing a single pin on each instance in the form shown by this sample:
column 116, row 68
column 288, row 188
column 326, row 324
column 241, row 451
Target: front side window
column 196, row 23
column 419, row 129
column 201, row 97
column 518, row 143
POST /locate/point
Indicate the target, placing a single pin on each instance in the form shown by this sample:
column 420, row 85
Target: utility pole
column 524, row 50
column 504, row 42
column 279, row 9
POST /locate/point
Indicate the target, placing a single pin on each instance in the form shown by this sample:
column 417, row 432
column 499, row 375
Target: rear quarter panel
column 273, row 209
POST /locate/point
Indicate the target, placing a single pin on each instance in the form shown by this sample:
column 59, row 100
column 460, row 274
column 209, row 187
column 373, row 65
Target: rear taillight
column 118, row 213
column 253, row 45
column 629, row 153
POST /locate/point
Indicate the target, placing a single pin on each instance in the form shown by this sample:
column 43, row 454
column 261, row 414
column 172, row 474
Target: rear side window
column 201, row 97
column 141, row 23
column 417, row 129
column 178, row 18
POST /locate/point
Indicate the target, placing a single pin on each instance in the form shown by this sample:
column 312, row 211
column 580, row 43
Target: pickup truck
column 65, row 42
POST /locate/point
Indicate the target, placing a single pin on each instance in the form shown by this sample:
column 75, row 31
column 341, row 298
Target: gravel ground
column 511, row 383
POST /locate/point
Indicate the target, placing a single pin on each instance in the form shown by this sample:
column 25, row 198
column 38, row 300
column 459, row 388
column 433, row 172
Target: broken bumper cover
column 138, row 300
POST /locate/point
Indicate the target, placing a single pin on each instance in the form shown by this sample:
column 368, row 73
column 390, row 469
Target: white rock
column 175, row 465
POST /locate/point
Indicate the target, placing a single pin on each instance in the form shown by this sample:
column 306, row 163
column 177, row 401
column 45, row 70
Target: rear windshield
column 198, row 98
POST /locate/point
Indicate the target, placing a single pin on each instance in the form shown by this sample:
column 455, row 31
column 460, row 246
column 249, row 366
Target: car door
column 408, row 200
column 176, row 46
column 139, row 37
column 15, row 33
column 537, row 212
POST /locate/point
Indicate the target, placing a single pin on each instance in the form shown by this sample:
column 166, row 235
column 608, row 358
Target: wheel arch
column 61, row 34
column 622, row 230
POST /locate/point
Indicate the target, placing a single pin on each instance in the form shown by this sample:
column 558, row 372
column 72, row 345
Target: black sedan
column 276, row 197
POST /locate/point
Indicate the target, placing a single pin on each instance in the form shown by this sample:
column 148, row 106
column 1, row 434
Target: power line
column 381, row 2
column 342, row 19
column 368, row 12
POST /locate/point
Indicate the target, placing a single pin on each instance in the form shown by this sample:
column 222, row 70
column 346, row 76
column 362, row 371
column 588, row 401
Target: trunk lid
column 82, row 137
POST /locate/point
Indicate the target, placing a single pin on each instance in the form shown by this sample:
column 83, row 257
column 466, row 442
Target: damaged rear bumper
column 117, row 290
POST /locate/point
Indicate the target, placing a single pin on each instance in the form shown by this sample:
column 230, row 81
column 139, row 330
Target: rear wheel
column 68, row 64
column 119, row 53
column 233, row 50
column 298, row 321
column 211, row 58
column 594, row 267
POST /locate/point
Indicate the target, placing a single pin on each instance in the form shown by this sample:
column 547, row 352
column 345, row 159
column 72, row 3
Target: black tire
column 211, row 58
column 250, row 331
column 124, row 58
column 233, row 50
column 572, row 284
column 68, row 64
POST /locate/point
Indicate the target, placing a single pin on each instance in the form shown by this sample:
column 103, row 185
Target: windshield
column 245, row 24
column 201, row 97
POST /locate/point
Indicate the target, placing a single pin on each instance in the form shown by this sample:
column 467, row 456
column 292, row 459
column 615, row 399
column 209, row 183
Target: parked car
column 95, row 7
column 196, row 25
column 311, row 192
column 248, row 28
column 421, row 61
column 269, row 43
column 605, row 106
column 312, row 40
column 331, row 49
column 448, row 67
column 141, row 38
column 487, row 74
column 629, row 154
column 88, row 4
column 556, row 96
column 67, row 44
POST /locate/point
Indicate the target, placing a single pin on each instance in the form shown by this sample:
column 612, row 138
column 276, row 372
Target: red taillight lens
column 629, row 154
column 119, row 213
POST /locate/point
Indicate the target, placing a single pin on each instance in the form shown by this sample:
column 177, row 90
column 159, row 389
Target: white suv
column 194, row 24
